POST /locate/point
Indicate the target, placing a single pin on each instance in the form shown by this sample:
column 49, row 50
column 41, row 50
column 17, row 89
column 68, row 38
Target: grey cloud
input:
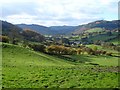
column 48, row 12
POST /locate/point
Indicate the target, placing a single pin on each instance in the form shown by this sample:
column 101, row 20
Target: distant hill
column 15, row 32
column 8, row 27
column 39, row 28
column 107, row 25
column 63, row 29
column 52, row 30
column 49, row 30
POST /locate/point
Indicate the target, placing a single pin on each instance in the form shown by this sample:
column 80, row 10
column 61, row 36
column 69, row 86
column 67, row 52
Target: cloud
column 12, row 9
column 58, row 12
column 21, row 18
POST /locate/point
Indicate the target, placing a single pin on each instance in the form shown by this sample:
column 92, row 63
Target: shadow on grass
column 84, row 59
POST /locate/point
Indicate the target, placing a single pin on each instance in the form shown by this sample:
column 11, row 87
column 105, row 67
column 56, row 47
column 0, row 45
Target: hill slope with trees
column 52, row 30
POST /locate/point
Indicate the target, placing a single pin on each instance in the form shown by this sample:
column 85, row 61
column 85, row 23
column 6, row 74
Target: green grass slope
column 23, row 68
column 15, row 55
column 94, row 30
column 115, row 41
column 96, row 60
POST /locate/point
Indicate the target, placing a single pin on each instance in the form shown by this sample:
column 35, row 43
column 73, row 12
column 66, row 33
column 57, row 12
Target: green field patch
column 94, row 30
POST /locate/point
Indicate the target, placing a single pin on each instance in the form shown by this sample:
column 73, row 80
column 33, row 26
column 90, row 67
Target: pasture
column 24, row 68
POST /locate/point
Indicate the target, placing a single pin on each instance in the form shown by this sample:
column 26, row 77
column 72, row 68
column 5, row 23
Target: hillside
column 30, row 69
column 28, row 57
column 49, row 30
column 94, row 30
column 62, row 29
column 15, row 33
column 8, row 27
column 39, row 28
column 106, row 25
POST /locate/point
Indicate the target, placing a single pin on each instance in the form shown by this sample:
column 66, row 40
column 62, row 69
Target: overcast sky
column 58, row 12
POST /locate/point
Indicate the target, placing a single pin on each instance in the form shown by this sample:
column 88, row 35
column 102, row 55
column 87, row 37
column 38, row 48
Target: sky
column 58, row 12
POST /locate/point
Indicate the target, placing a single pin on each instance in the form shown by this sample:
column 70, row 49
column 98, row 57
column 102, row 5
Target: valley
column 84, row 56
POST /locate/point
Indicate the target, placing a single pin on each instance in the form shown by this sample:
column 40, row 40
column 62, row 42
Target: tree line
column 63, row 50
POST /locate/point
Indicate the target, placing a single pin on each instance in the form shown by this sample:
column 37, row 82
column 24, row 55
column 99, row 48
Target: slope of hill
column 28, row 57
column 104, row 37
column 94, row 30
column 39, row 28
column 29, row 69
column 49, row 30
column 62, row 29
column 16, row 33
column 106, row 25
column 8, row 27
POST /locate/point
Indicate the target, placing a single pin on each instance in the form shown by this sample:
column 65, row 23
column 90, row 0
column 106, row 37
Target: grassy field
column 104, row 37
column 101, row 37
column 94, row 30
column 95, row 60
column 24, row 68
column 115, row 41
column 115, row 53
